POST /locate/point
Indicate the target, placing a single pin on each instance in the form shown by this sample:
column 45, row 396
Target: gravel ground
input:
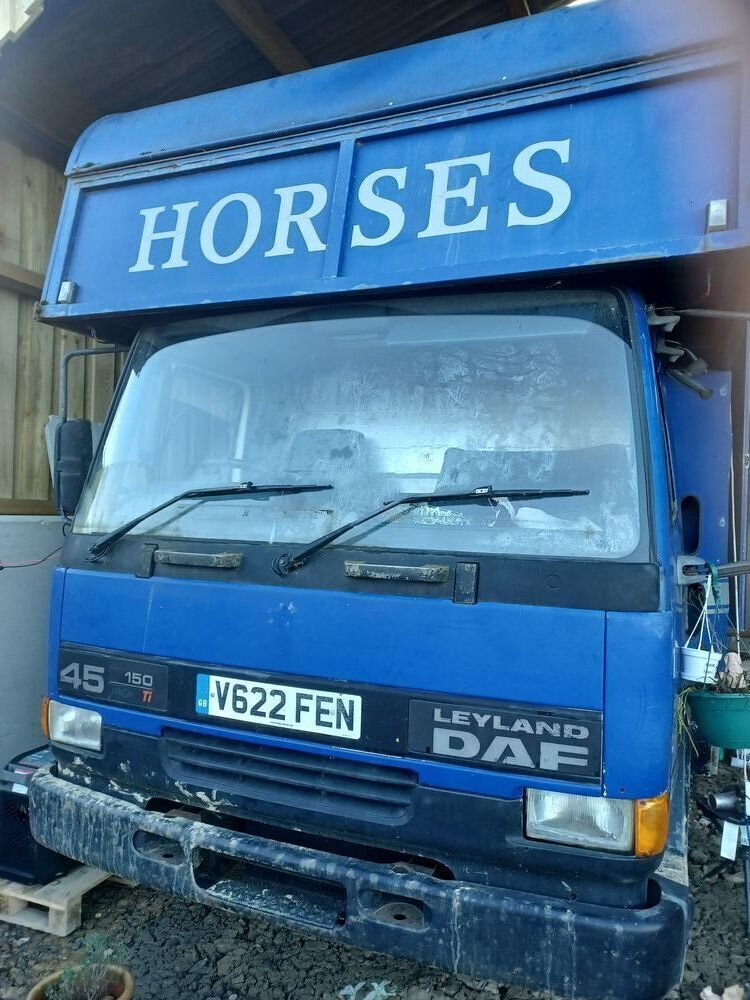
column 188, row 951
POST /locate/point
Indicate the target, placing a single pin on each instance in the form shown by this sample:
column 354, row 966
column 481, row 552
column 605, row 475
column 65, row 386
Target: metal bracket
column 691, row 569
column 667, row 319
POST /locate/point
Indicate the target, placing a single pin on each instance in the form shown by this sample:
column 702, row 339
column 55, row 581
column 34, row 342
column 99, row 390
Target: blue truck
column 369, row 615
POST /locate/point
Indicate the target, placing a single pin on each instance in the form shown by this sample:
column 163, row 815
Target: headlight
column 580, row 820
column 77, row 726
column 639, row 826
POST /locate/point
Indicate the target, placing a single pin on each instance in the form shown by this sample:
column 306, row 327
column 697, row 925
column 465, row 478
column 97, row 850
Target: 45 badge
column 113, row 679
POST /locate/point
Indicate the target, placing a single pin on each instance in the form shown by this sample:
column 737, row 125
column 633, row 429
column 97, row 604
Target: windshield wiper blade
column 287, row 563
column 207, row 492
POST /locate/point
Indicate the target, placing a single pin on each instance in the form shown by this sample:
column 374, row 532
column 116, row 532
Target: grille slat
column 310, row 781
column 383, row 775
column 293, row 776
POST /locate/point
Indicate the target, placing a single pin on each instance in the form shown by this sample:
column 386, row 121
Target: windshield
column 437, row 394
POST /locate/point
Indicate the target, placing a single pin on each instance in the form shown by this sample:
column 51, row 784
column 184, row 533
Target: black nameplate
column 142, row 684
column 508, row 738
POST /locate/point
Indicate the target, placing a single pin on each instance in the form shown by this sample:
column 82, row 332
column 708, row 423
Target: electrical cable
column 31, row 562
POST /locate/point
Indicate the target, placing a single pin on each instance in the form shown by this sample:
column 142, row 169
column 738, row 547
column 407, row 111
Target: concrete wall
column 24, row 607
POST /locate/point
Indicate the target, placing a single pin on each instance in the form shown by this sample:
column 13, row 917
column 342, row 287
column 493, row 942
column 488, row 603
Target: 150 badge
column 509, row 738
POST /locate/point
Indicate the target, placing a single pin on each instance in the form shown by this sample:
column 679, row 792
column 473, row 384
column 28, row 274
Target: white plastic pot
column 699, row 665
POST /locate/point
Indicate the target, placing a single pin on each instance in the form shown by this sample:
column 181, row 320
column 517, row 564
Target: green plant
column 88, row 979
column 376, row 991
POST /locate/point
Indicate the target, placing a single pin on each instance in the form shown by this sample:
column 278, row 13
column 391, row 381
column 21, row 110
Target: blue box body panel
column 581, row 161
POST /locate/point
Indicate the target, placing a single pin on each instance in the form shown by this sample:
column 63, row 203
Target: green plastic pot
column 723, row 718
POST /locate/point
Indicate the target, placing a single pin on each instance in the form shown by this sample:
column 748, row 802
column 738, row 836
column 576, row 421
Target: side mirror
column 73, row 454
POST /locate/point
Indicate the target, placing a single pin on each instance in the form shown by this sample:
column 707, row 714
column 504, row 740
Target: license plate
column 307, row 710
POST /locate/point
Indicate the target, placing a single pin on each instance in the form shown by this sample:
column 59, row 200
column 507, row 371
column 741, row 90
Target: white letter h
column 176, row 235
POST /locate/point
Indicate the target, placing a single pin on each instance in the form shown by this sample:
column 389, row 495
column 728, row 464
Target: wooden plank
column 27, row 508
column 58, row 893
column 100, row 383
column 31, row 478
column 35, row 220
column 8, row 369
column 21, row 280
column 11, row 165
column 54, row 908
column 67, row 341
column 35, row 375
column 10, row 241
column 259, row 27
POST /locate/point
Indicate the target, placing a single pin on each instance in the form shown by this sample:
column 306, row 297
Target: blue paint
column 429, row 645
column 666, row 545
column 511, row 153
column 638, row 694
column 635, row 154
column 701, row 435
column 588, row 136
column 540, row 51
column 201, row 694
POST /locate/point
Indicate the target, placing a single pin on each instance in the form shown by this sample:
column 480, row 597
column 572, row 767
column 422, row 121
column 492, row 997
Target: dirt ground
column 193, row 953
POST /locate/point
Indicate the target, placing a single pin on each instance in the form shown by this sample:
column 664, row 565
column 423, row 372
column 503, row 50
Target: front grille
column 309, row 781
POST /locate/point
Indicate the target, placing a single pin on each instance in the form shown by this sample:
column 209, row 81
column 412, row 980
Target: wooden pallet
column 54, row 908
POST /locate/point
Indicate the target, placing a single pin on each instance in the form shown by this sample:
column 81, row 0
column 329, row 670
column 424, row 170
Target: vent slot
column 307, row 781
column 270, row 890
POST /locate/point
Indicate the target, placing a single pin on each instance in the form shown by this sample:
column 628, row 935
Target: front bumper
column 573, row 949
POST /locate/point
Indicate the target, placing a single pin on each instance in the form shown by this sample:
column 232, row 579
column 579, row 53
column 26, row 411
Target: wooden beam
column 21, row 280
column 260, row 28
column 517, row 8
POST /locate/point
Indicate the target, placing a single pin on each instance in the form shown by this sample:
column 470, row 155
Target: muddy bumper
column 572, row 949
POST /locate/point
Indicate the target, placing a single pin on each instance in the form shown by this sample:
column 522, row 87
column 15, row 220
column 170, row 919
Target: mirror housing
column 73, row 454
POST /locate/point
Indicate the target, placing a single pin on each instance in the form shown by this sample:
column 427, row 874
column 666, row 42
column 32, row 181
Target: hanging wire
column 701, row 619
column 31, row 562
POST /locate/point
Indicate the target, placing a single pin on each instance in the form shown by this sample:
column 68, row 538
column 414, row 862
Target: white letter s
column 556, row 187
column 392, row 211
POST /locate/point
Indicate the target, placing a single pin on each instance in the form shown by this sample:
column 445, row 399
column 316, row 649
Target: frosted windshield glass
column 379, row 403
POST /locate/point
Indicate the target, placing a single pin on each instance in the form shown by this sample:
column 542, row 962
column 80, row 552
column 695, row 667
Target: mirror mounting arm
column 73, row 449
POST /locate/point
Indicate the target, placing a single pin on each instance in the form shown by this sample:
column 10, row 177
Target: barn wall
column 30, row 196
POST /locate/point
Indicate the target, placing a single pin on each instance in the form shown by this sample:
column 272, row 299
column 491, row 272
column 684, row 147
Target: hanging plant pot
column 119, row 984
column 699, row 665
column 722, row 717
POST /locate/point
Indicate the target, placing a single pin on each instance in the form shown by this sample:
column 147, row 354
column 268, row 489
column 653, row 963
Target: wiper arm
column 287, row 563
column 236, row 489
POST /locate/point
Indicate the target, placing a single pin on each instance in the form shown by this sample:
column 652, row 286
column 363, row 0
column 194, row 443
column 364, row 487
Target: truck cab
column 369, row 614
